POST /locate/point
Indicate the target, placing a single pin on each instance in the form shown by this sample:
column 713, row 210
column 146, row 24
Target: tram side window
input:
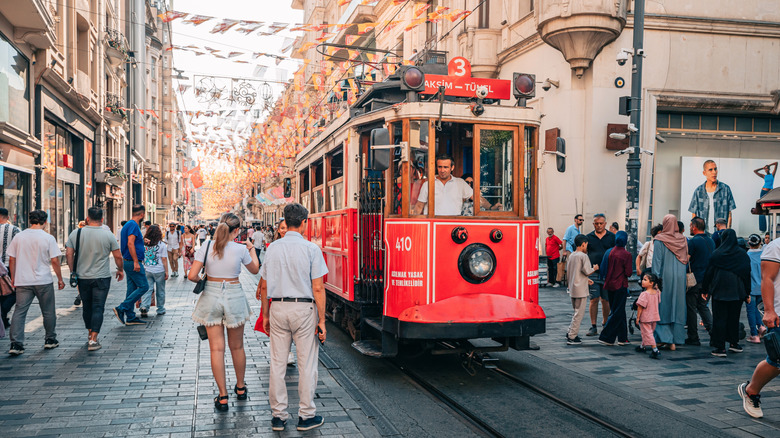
column 529, row 188
column 418, row 158
column 396, row 136
column 318, row 195
column 304, row 185
column 336, row 181
column 495, row 171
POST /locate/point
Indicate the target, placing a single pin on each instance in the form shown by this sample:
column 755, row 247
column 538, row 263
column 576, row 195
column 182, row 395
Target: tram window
column 336, row 195
column 337, row 165
column 418, row 157
column 335, row 181
column 529, row 172
column 317, row 170
column 396, row 136
column 305, row 180
column 495, row 171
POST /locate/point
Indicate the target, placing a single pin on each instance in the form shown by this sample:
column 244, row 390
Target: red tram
column 405, row 278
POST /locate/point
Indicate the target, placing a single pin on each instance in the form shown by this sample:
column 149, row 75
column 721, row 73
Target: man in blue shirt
column 132, row 247
column 571, row 233
column 700, row 248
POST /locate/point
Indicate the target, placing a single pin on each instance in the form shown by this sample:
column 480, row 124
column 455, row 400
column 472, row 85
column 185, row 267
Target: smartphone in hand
column 319, row 332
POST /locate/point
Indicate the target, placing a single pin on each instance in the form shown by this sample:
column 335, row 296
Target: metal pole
column 634, row 164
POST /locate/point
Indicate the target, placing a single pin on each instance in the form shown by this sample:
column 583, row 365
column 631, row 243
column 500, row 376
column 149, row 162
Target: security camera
column 624, row 151
column 549, row 83
column 660, row 139
column 622, row 56
column 617, row 136
column 482, row 92
column 632, row 128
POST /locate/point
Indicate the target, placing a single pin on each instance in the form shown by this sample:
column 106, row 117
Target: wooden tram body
column 396, row 279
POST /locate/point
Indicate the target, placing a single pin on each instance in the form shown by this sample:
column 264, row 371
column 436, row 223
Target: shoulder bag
column 5, row 281
column 690, row 279
column 74, row 279
column 202, row 282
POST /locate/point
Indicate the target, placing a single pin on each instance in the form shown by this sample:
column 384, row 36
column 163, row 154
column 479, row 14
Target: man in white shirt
column 202, row 234
column 258, row 239
column 32, row 255
column 450, row 191
column 173, row 238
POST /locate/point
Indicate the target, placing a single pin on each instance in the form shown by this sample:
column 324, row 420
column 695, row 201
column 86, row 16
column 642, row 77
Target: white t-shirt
column 172, row 238
column 202, row 233
column 154, row 257
column 448, row 197
column 711, row 214
column 771, row 254
column 33, row 250
column 258, row 239
column 229, row 266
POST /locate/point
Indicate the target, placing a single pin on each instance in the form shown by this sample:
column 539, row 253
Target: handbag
column 772, row 344
column 201, row 284
column 690, row 279
column 5, row 281
column 74, row 279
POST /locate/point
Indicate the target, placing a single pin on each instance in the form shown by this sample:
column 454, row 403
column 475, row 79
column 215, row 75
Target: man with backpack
column 88, row 251
column 7, row 232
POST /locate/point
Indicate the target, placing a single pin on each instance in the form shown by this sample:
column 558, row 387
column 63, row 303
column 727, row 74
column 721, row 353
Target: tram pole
column 634, row 163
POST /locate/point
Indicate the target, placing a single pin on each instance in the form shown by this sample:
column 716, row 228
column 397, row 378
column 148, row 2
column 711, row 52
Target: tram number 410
column 403, row 243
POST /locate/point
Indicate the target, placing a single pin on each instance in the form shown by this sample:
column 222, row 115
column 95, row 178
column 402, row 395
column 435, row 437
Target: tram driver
column 450, row 191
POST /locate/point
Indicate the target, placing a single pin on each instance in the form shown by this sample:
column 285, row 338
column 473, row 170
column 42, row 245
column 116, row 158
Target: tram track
column 479, row 423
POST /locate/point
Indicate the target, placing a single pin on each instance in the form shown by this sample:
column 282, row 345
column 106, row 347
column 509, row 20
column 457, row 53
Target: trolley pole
column 634, row 164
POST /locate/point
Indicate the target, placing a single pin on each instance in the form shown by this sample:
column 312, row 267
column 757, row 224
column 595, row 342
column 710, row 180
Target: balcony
column 116, row 47
column 32, row 22
column 114, row 112
column 113, row 172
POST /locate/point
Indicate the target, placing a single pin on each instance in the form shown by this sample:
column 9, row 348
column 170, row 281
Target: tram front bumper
column 469, row 317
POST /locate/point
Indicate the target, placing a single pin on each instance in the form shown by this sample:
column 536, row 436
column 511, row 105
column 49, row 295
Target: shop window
column 726, row 123
column 690, row 121
column 15, row 195
column 760, row 125
column 14, row 90
column 744, row 124
column 709, row 123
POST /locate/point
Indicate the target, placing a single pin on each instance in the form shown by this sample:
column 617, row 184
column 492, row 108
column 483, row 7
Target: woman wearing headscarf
column 614, row 270
column 670, row 259
column 727, row 280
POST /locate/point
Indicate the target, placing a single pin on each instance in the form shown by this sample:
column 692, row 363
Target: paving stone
column 143, row 381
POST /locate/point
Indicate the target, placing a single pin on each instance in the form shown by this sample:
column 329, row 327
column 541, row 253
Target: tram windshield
column 470, row 165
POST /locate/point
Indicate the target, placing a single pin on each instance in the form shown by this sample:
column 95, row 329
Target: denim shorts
column 596, row 290
column 768, row 360
column 222, row 303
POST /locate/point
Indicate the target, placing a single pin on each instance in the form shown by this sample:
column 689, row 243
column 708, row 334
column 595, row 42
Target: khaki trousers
column 579, row 305
column 293, row 322
column 173, row 259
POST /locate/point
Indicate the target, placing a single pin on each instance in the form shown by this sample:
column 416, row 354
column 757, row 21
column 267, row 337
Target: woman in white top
column 223, row 302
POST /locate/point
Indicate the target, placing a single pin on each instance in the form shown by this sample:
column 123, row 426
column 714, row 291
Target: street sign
column 459, row 82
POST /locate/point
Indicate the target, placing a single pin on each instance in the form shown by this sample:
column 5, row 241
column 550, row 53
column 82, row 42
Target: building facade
column 68, row 111
column 709, row 92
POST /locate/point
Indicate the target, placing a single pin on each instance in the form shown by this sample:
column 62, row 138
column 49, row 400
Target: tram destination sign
column 459, row 82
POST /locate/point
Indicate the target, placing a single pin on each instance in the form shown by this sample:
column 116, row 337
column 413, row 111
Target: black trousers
column 725, row 323
column 616, row 327
column 695, row 305
column 6, row 303
column 552, row 270
column 93, row 298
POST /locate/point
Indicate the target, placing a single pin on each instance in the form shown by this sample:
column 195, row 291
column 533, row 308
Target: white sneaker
column 751, row 403
column 93, row 345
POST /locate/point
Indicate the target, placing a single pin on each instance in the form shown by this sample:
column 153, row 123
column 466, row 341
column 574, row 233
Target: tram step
column 375, row 323
column 368, row 347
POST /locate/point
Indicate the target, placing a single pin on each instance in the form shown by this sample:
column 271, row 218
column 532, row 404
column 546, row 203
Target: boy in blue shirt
column 754, row 317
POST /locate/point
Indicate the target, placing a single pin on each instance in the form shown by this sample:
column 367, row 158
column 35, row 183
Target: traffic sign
column 459, row 82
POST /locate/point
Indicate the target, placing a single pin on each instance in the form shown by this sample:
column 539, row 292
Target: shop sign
column 459, row 82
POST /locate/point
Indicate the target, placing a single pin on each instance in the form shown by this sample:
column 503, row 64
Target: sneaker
column 606, row 343
column 592, row 331
column 719, row 352
column 77, row 301
column 623, row 343
column 51, row 343
column 93, row 345
column 278, row 424
column 120, row 315
column 311, row 423
column 735, row 348
column 694, row 342
column 750, row 403
column 753, row 339
column 655, row 354
column 160, row 312
column 290, row 359
column 144, row 312
column 135, row 321
column 575, row 341
column 16, row 349
column 640, row 349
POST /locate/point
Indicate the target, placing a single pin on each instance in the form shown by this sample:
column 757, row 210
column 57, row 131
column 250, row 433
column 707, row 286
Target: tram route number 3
column 403, row 244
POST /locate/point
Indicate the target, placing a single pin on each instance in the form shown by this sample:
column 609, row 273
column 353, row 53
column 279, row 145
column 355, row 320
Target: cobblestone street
column 153, row 380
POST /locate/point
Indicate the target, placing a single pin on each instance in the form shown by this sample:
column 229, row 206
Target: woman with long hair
column 281, row 230
column 188, row 254
column 223, row 303
column 670, row 259
column 727, row 280
column 156, row 267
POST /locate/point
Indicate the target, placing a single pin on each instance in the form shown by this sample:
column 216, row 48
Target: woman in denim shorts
column 223, row 303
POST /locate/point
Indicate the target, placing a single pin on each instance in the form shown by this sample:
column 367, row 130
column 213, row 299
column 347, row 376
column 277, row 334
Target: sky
column 201, row 71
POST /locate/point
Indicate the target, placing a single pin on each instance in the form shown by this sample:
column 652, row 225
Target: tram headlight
column 477, row 263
